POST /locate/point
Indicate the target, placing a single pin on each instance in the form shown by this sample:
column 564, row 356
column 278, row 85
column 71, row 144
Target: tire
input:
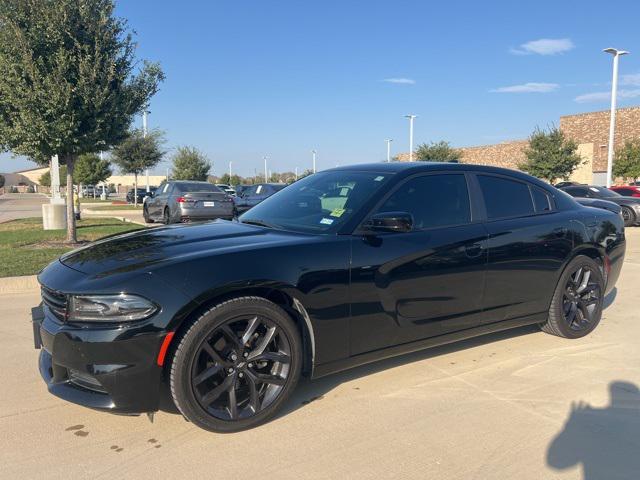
column 576, row 306
column 145, row 215
column 166, row 218
column 205, row 386
column 629, row 216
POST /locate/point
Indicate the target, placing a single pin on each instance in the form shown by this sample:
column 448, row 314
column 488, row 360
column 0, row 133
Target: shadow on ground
column 605, row 442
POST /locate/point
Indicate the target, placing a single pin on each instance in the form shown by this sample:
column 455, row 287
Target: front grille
column 56, row 302
column 85, row 381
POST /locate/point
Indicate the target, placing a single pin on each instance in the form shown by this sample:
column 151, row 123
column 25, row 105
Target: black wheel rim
column 581, row 299
column 241, row 368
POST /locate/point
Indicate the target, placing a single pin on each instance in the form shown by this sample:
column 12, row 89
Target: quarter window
column 433, row 200
column 540, row 200
column 505, row 198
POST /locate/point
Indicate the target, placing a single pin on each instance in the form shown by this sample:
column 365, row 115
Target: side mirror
column 148, row 194
column 401, row 222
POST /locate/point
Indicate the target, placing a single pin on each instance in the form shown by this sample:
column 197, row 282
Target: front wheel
column 629, row 216
column 236, row 365
column 576, row 307
column 145, row 214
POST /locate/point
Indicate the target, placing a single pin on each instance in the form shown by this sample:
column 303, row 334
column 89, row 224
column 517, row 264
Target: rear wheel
column 576, row 307
column 629, row 216
column 166, row 217
column 236, row 365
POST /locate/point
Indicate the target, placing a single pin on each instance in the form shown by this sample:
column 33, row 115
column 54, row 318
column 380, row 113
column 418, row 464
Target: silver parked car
column 187, row 201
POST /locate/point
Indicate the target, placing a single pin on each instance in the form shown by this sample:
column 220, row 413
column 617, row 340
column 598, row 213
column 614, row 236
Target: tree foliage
column 67, row 81
column 190, row 164
column 137, row 153
column 550, row 155
column 91, row 169
column 233, row 180
column 627, row 160
column 45, row 178
column 437, row 152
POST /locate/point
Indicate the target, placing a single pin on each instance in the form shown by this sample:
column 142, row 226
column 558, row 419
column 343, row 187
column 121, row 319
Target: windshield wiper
column 260, row 223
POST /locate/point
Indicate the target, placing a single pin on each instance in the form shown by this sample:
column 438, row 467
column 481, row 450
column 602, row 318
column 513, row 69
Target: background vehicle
column 341, row 268
column 88, row 190
column 630, row 206
column 566, row 184
column 240, row 189
column 255, row 194
column 226, row 188
column 142, row 193
column 186, row 201
column 627, row 190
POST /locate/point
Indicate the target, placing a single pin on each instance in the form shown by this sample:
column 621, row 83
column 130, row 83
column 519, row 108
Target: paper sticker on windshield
column 593, row 189
column 326, row 221
column 378, row 178
column 337, row 212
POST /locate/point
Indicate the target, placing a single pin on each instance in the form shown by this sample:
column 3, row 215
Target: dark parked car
column 255, row 194
column 341, row 268
column 630, row 206
column 627, row 190
column 604, row 204
column 142, row 193
column 188, row 201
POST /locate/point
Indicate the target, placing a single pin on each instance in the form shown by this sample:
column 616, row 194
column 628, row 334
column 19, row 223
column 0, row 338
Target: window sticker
column 593, row 189
column 378, row 178
column 337, row 212
column 326, row 221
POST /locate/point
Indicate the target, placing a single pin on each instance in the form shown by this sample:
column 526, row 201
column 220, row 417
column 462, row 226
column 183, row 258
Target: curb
column 13, row 285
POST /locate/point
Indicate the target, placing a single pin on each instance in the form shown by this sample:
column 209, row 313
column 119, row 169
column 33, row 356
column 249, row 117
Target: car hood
column 145, row 250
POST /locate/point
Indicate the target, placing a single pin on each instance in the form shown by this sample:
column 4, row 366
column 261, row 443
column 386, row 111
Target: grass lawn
column 114, row 207
column 25, row 248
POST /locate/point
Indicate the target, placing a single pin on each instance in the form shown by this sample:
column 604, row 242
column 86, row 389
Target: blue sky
column 280, row 78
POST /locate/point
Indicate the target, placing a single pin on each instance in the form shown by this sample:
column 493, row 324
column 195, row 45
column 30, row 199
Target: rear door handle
column 474, row 250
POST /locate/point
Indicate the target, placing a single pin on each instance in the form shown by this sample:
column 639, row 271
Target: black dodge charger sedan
column 343, row 267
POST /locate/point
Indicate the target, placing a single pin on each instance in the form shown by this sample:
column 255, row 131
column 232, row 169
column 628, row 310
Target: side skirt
column 376, row 355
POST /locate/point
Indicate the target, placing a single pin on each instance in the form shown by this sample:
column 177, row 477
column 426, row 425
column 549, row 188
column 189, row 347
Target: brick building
column 589, row 130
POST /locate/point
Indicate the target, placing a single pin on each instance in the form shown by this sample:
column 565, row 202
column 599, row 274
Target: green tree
column 437, row 152
column 233, row 180
column 91, row 169
column 137, row 153
column 550, row 155
column 190, row 164
column 67, row 81
column 45, row 178
column 627, row 161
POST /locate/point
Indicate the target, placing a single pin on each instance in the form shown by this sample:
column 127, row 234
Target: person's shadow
column 605, row 441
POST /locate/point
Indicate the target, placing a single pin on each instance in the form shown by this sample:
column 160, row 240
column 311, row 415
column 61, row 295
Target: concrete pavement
column 21, row 205
column 520, row 404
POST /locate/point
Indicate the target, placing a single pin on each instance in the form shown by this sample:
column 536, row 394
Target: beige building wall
column 584, row 172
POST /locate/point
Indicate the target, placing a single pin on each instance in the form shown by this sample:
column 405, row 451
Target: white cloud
column 630, row 79
column 530, row 87
column 606, row 96
column 400, row 81
column 544, row 46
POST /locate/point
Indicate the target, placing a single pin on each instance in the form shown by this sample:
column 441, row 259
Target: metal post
column 266, row 180
column 389, row 140
column 411, row 118
column 313, row 152
column 612, row 124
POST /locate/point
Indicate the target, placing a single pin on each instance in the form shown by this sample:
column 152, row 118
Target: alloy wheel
column 580, row 302
column 241, row 367
column 626, row 215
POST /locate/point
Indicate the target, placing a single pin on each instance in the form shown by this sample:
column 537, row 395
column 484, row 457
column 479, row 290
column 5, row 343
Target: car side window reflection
column 505, row 198
column 432, row 200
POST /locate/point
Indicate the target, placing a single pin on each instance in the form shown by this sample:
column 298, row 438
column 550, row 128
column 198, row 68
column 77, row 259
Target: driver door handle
column 474, row 250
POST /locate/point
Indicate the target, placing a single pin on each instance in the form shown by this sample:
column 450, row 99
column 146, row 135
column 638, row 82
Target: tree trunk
column 135, row 189
column 70, row 160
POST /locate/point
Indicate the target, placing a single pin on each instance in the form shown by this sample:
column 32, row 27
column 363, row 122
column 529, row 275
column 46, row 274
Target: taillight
column 635, row 194
column 184, row 200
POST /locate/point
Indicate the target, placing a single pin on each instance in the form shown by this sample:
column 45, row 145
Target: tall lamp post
column 612, row 125
column 266, row 180
column 144, row 132
column 389, row 140
column 230, row 172
column 411, row 119
column 313, row 153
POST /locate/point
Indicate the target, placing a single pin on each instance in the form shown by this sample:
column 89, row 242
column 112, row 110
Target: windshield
column 605, row 192
column 319, row 203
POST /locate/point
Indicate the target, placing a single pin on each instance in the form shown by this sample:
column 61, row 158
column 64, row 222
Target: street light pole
column 389, row 140
column 612, row 125
column 230, row 172
column 313, row 152
column 144, row 133
column 265, row 170
column 411, row 119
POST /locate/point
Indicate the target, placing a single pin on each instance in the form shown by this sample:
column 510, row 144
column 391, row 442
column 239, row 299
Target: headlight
column 109, row 308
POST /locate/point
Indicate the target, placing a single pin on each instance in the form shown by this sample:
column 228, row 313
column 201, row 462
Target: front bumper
column 112, row 369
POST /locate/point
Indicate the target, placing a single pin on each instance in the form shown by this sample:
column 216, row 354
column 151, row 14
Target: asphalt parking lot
column 516, row 405
column 21, row 205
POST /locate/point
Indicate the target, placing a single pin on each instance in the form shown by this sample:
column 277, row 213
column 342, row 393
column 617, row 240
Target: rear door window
column 505, row 198
column 541, row 200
